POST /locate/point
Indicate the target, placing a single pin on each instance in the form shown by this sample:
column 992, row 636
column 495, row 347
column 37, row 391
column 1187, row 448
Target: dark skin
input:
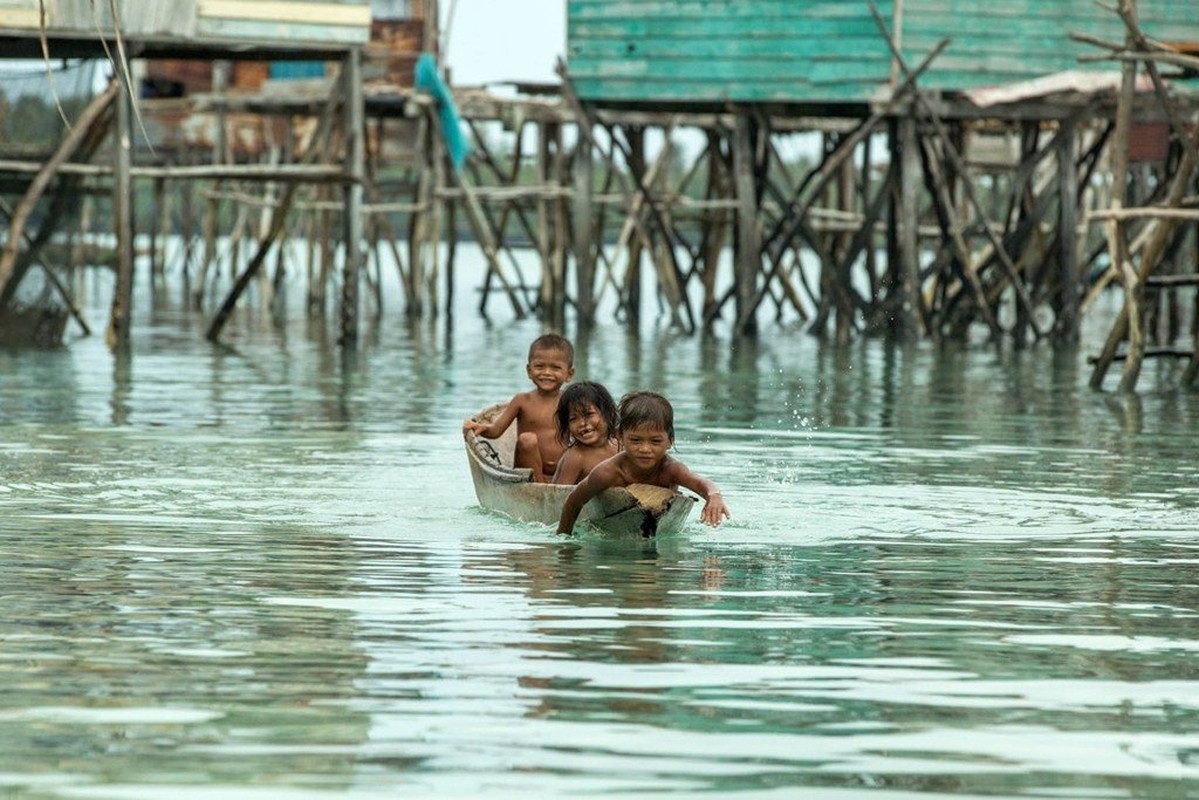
column 643, row 459
column 591, row 444
column 537, row 445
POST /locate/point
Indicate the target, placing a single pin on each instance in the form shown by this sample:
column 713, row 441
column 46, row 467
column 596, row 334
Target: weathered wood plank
column 279, row 31
column 20, row 18
column 308, row 13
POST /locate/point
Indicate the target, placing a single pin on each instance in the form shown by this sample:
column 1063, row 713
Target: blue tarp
column 297, row 70
column 428, row 79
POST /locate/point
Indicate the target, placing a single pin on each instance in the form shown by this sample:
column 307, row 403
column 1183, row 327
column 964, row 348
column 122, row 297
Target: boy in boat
column 586, row 418
column 646, row 432
column 550, row 365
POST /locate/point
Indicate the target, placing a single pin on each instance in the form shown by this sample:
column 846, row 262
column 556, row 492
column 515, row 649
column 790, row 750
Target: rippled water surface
column 259, row 570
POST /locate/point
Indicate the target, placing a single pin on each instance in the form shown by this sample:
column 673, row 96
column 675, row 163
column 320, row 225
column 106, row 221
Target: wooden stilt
column 352, row 193
column 748, row 258
column 156, row 226
column 582, row 232
column 545, row 299
column 561, row 235
column 120, row 318
column 635, row 137
column 421, row 226
column 910, row 322
column 1068, row 250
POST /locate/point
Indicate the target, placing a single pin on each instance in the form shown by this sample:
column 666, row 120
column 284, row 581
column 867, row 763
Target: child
column 550, row 365
column 587, row 426
column 646, row 431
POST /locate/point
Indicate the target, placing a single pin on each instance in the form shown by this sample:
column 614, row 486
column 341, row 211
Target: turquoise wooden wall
column 829, row 51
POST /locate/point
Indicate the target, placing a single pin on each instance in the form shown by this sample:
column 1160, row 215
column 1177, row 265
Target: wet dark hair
column 579, row 396
column 646, row 408
column 552, row 341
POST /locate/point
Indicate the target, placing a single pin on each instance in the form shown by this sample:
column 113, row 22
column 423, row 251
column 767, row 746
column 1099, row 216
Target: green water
column 259, row 571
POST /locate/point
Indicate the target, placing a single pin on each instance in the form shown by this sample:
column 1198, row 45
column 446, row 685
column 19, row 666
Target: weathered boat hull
column 638, row 511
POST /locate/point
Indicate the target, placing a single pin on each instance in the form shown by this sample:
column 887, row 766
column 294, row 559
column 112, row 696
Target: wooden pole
column 117, row 334
column 353, row 112
column 561, row 235
column 544, row 221
column 714, row 224
column 749, row 242
column 635, row 137
column 420, row 226
column 1068, row 255
column 1130, row 316
column 582, row 233
column 910, row 322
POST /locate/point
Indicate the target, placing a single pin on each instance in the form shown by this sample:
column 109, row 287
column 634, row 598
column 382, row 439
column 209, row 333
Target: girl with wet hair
column 586, row 419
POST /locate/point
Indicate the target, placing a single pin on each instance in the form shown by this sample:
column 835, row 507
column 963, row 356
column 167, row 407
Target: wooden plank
column 307, row 13
column 703, row 91
column 711, row 9
column 22, row 18
column 736, row 28
column 266, row 31
column 137, row 17
column 743, row 71
column 793, row 47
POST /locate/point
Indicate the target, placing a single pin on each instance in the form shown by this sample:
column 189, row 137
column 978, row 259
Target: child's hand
column 469, row 425
column 714, row 511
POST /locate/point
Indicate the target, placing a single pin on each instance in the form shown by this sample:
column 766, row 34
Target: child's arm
column 602, row 477
column 570, row 467
column 497, row 426
column 714, row 511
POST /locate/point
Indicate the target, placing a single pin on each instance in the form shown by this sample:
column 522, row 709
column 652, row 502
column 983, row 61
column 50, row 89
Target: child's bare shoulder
column 521, row 400
column 612, row 470
column 673, row 470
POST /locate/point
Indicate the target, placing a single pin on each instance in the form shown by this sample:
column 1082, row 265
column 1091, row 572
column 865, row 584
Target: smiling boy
column 550, row 367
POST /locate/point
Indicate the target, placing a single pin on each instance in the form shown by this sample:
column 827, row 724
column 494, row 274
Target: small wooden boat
column 638, row 510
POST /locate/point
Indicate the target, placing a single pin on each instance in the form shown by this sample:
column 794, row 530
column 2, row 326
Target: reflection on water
column 258, row 570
